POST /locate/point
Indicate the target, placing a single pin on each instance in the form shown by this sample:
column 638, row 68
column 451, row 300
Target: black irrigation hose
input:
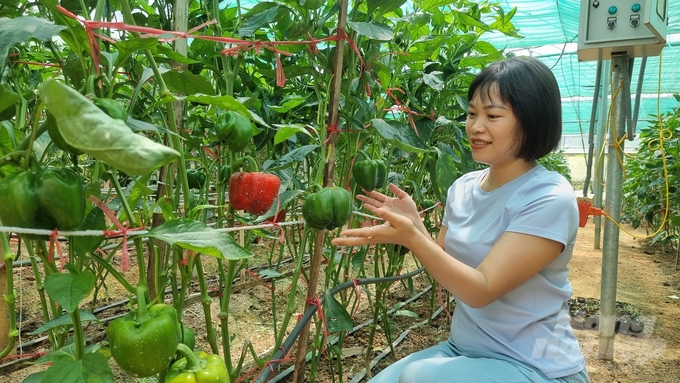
column 356, row 328
column 307, row 316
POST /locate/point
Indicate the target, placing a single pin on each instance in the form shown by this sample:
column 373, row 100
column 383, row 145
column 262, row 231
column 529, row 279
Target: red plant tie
column 331, row 130
column 257, row 278
column 312, row 44
column 63, row 258
column 185, row 261
column 319, row 312
column 352, row 44
column 280, row 74
column 121, row 230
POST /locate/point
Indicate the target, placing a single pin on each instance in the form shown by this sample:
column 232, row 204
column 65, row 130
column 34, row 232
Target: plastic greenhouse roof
column 550, row 30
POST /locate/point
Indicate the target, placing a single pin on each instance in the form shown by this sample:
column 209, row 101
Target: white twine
column 131, row 233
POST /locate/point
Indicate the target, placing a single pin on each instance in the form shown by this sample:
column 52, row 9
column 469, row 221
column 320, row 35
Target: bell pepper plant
column 328, row 209
column 370, row 174
column 234, row 130
column 253, row 192
column 144, row 342
column 197, row 367
column 50, row 199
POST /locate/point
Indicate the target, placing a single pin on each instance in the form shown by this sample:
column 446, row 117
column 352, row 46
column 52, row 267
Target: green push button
column 612, row 10
column 635, row 7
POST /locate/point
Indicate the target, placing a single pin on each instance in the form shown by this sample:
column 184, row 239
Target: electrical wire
column 655, row 144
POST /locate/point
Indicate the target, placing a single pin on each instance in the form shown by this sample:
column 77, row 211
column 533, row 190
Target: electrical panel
column 636, row 28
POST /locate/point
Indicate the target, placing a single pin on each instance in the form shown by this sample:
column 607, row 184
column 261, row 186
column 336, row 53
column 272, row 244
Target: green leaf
column 433, row 81
column 22, row 29
column 268, row 273
column 285, row 198
column 254, row 22
column 69, row 289
column 373, row 31
column 88, row 129
column 337, row 317
column 446, row 172
column 384, row 5
column 34, row 378
column 197, row 236
column 400, row 135
column 67, row 352
column 485, row 47
column 288, row 103
column 143, row 126
column 93, row 368
column 430, row 4
column 8, row 138
column 7, row 97
column 85, row 316
column 406, row 313
column 94, row 220
column 185, row 82
column 288, row 159
column 286, row 131
column 174, row 56
column 222, row 102
column 128, row 47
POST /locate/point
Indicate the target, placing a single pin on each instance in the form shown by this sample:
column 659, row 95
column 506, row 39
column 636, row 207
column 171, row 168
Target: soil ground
column 647, row 282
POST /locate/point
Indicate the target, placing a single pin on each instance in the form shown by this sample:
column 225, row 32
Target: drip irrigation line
column 356, row 328
column 307, row 316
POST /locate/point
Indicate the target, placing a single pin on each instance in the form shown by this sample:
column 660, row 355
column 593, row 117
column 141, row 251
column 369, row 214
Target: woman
column 507, row 235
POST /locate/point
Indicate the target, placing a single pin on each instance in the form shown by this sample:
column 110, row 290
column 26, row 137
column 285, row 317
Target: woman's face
column 491, row 128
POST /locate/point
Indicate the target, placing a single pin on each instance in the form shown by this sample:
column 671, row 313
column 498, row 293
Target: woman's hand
column 400, row 213
column 401, row 204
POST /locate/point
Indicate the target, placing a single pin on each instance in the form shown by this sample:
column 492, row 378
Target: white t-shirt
column 531, row 322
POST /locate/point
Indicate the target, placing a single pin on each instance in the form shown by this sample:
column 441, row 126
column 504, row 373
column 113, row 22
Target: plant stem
column 109, row 267
column 40, row 287
column 224, row 314
column 34, row 135
column 78, row 334
column 10, row 297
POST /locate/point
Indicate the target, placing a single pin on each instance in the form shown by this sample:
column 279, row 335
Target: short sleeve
column 549, row 211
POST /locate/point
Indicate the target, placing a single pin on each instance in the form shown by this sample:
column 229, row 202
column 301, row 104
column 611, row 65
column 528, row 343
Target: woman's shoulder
column 548, row 182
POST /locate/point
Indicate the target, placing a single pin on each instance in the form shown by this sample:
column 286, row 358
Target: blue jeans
column 451, row 363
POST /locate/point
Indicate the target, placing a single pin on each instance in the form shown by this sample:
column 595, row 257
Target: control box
column 636, row 28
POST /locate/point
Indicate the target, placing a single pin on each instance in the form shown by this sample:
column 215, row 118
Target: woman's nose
column 476, row 125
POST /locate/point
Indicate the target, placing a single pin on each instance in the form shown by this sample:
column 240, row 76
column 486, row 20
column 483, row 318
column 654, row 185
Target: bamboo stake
column 317, row 255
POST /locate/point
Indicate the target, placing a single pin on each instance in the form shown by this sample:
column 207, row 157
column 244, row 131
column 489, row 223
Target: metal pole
column 591, row 128
column 599, row 141
column 610, row 253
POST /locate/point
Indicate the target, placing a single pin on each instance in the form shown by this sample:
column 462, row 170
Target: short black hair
column 531, row 90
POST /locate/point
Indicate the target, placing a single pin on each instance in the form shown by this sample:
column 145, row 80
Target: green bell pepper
column 370, row 174
column 112, row 107
column 196, row 179
column 49, row 199
column 234, row 129
column 143, row 343
column 57, row 138
column 328, row 209
column 197, row 367
column 188, row 337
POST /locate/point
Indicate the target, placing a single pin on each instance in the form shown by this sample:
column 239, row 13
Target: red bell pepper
column 253, row 192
